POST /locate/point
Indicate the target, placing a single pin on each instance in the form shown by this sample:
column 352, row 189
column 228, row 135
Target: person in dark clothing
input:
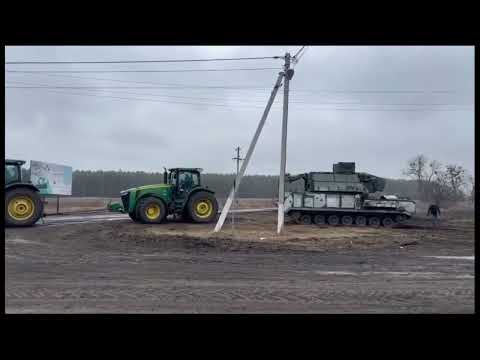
column 434, row 210
column 186, row 182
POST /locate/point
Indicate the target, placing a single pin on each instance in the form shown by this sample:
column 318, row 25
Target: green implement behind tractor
column 181, row 194
column 23, row 204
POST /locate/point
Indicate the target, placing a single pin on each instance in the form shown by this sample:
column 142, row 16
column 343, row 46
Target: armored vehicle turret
column 345, row 196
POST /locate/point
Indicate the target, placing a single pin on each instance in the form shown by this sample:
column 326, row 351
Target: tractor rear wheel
column 202, row 207
column 150, row 210
column 23, row 207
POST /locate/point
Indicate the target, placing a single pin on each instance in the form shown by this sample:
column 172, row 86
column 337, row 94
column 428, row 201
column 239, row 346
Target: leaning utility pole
column 238, row 179
column 281, row 181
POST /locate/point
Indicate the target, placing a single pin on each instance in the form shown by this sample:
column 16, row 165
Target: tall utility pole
column 228, row 203
column 238, row 158
column 281, row 181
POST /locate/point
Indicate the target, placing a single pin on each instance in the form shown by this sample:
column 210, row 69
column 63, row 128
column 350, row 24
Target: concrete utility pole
column 228, row 203
column 283, row 161
column 238, row 158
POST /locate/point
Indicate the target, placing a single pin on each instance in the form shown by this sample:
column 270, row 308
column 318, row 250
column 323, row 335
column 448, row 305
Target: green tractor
column 23, row 204
column 181, row 194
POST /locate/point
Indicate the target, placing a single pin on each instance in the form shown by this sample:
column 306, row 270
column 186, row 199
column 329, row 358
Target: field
column 121, row 266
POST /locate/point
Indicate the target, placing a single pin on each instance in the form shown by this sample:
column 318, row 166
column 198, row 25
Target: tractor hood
column 146, row 187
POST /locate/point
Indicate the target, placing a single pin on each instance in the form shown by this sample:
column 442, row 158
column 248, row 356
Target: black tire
column 361, row 220
column 305, row 219
column 400, row 218
column 333, row 220
column 374, row 221
column 319, row 219
column 133, row 216
column 347, row 220
column 23, row 207
column 387, row 222
column 151, row 210
column 202, row 207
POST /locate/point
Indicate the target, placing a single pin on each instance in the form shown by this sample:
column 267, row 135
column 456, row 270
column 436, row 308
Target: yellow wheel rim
column 152, row 211
column 204, row 208
column 21, row 208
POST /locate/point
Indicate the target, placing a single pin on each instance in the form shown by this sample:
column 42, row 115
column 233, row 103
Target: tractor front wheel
column 151, row 210
column 202, row 207
column 23, row 207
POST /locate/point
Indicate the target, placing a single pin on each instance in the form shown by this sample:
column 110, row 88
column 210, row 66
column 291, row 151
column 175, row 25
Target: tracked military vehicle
column 345, row 197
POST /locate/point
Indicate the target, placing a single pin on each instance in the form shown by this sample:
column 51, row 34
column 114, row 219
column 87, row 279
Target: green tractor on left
column 23, row 204
column 181, row 194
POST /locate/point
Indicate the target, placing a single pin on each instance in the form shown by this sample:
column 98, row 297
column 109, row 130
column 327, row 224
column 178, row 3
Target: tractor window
column 196, row 179
column 11, row 174
column 173, row 178
column 188, row 180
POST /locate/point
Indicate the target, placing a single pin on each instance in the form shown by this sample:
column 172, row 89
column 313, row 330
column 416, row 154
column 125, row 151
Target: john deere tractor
column 23, row 204
column 182, row 194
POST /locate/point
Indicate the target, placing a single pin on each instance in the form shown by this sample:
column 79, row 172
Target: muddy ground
column 177, row 267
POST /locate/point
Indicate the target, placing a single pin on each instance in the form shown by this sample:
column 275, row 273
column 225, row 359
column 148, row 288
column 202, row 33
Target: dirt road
column 124, row 267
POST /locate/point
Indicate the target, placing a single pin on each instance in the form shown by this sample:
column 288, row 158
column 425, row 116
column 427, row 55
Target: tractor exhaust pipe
column 165, row 176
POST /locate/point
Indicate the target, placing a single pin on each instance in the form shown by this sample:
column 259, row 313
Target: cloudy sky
column 377, row 106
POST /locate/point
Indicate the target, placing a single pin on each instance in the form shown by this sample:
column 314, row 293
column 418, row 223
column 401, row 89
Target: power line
column 233, row 106
column 146, row 99
column 240, row 87
column 188, row 86
column 121, row 87
column 183, row 86
column 314, row 103
column 315, row 91
column 166, row 85
column 47, row 86
column 141, row 61
column 138, row 71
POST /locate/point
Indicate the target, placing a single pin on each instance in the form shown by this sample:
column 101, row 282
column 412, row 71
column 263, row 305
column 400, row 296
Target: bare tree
column 440, row 188
column 435, row 183
column 456, row 179
column 430, row 176
column 417, row 169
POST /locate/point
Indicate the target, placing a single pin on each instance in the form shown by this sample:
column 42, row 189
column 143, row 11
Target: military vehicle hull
column 346, row 209
column 343, row 197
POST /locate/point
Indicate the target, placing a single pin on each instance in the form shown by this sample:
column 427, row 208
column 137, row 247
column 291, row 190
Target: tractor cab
column 183, row 180
column 13, row 171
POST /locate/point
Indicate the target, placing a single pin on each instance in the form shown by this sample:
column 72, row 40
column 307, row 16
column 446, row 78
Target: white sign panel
column 51, row 179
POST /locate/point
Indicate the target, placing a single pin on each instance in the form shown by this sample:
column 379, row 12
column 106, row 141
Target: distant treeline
column 110, row 183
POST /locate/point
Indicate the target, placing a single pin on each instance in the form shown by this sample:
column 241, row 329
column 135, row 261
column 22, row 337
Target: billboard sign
column 51, row 179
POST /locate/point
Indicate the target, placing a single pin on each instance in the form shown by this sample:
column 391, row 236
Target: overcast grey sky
column 151, row 128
